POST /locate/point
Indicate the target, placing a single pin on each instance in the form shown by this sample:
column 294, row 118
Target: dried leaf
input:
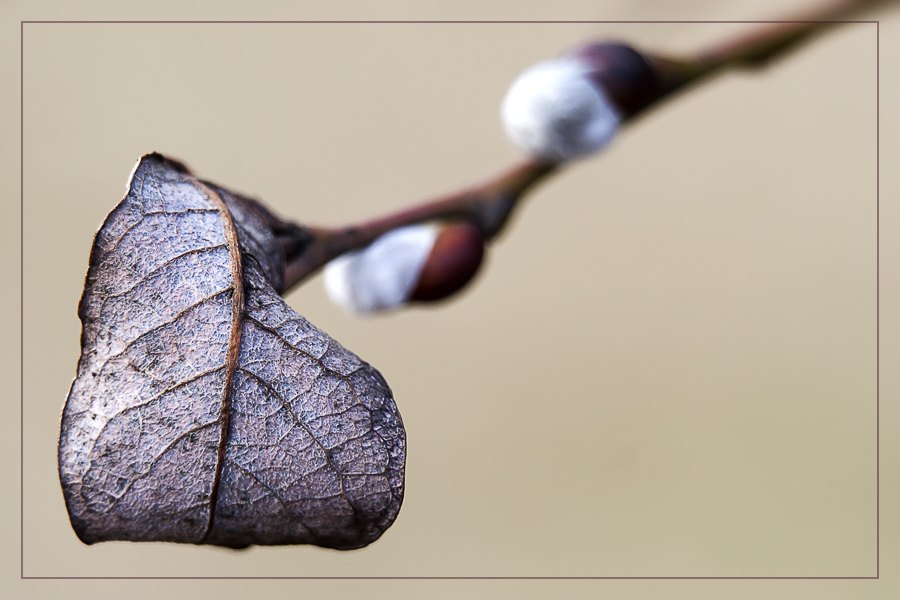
column 204, row 409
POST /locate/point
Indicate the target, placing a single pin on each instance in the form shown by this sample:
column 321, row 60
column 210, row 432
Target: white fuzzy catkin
column 383, row 275
column 555, row 112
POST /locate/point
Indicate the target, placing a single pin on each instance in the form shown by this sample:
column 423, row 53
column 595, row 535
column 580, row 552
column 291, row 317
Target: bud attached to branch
column 455, row 258
column 570, row 107
column 423, row 262
column 627, row 77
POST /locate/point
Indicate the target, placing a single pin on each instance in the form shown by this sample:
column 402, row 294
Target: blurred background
column 667, row 366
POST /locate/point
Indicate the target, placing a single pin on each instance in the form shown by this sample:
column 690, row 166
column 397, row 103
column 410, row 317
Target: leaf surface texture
column 205, row 410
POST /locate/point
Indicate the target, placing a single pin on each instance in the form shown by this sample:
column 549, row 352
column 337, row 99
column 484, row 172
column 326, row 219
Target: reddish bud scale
column 626, row 76
column 455, row 258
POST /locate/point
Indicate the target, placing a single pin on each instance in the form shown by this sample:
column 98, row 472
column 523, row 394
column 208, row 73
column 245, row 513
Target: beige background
column 667, row 367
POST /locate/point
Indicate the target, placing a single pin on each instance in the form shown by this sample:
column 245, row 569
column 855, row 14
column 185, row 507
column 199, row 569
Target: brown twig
column 489, row 204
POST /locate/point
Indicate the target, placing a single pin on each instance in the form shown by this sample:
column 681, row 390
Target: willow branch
column 489, row 204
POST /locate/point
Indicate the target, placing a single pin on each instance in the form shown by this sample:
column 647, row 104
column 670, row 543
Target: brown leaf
column 204, row 409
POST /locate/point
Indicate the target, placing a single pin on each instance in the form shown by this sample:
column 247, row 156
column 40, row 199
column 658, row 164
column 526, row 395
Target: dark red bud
column 626, row 76
column 453, row 261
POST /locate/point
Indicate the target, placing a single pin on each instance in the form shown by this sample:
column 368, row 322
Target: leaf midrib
column 234, row 346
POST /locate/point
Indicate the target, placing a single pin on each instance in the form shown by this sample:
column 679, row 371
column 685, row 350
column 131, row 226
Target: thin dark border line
column 443, row 578
column 440, row 22
column 22, row 298
column 877, row 303
column 877, row 299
